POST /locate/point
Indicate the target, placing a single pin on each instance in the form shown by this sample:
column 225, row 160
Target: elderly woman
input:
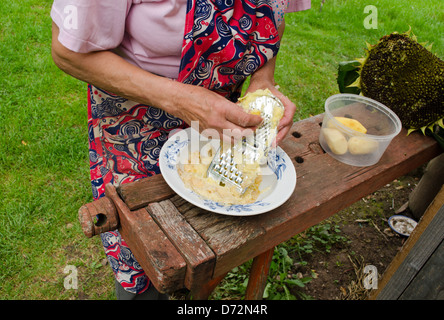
column 156, row 65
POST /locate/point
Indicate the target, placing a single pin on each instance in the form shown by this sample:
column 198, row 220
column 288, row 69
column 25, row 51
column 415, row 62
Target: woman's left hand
column 290, row 108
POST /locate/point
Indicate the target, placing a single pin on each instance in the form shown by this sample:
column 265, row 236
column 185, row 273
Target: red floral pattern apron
column 224, row 43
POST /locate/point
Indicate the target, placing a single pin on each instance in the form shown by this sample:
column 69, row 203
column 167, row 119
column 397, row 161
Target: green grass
column 44, row 176
column 44, row 169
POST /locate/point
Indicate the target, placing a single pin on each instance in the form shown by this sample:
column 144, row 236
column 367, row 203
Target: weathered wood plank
column 138, row 194
column 157, row 256
column 226, row 234
column 98, row 216
column 303, row 140
column 198, row 255
column 428, row 283
column 423, row 241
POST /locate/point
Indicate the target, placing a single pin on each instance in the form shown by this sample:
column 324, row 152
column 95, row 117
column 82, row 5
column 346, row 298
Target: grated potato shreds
column 194, row 178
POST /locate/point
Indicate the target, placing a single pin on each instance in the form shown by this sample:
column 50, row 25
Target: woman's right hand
column 212, row 111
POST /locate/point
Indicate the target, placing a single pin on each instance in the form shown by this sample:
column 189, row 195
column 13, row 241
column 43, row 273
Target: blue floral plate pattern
column 279, row 179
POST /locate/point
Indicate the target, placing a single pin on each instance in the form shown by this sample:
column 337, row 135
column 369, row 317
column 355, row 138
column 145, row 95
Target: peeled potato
column 349, row 123
column 335, row 141
column 362, row 145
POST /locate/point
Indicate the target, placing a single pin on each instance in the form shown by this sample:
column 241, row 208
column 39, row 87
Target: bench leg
column 258, row 275
column 204, row 292
column 256, row 283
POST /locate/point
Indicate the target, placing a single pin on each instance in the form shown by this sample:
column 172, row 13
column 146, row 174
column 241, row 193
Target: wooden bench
column 182, row 246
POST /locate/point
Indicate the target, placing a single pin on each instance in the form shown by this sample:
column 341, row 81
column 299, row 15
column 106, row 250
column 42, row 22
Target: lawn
column 44, row 168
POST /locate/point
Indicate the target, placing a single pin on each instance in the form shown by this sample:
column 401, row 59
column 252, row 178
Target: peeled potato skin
column 335, row 140
column 361, row 145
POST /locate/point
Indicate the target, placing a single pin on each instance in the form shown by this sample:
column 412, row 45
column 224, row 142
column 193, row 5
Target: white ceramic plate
column 278, row 181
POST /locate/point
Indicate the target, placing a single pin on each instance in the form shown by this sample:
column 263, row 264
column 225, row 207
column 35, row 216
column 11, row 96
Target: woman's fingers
column 229, row 120
column 287, row 120
column 239, row 123
column 239, row 117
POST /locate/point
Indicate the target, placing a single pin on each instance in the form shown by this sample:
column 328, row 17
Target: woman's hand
column 264, row 79
column 287, row 120
column 213, row 112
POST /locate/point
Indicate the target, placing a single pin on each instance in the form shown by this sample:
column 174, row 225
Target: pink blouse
column 147, row 33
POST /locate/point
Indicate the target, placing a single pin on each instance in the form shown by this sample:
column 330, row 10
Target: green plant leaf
column 348, row 72
column 438, row 134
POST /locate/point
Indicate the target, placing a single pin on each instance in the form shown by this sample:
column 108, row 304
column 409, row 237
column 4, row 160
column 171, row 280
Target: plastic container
column 344, row 139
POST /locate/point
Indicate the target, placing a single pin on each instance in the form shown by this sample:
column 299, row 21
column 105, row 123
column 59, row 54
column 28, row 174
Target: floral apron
column 224, row 42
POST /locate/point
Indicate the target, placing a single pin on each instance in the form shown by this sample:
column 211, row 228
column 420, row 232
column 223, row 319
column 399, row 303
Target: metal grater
column 254, row 148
